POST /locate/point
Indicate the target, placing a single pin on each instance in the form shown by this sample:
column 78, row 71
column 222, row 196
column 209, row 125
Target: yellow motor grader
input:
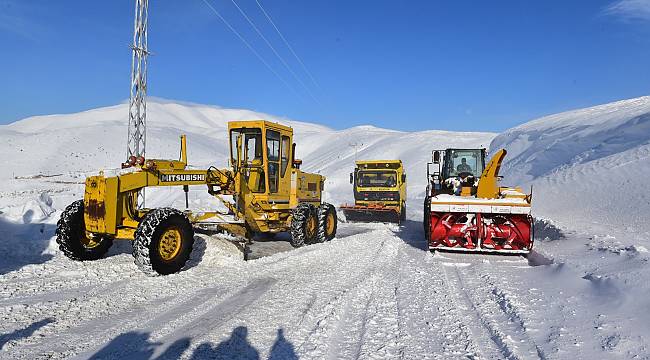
column 270, row 194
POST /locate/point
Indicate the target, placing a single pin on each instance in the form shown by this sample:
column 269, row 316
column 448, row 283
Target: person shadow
column 135, row 345
column 282, row 349
column 236, row 346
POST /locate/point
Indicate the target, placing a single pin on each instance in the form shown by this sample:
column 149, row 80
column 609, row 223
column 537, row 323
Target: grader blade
column 357, row 213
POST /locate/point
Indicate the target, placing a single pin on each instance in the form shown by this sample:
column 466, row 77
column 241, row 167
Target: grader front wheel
column 72, row 238
column 304, row 225
column 163, row 242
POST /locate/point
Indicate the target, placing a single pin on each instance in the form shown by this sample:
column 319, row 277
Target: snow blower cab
column 465, row 209
column 379, row 188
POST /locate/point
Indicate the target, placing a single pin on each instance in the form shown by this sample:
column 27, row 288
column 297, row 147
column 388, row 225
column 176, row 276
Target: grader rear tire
column 327, row 222
column 72, row 239
column 304, row 225
column 163, row 242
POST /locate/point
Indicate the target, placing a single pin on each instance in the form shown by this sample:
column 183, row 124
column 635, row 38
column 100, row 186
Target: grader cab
column 270, row 194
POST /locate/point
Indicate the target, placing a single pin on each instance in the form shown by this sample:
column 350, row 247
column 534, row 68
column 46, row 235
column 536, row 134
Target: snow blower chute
column 465, row 209
column 379, row 192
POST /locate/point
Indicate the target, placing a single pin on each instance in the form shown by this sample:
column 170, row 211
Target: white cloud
column 629, row 10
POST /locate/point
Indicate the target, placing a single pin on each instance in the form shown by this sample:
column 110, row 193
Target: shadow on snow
column 23, row 244
column 412, row 233
column 23, row 333
column 137, row 345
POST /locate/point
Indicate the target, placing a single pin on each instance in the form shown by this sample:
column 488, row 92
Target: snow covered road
column 373, row 292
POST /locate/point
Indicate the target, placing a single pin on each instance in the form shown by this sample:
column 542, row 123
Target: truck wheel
column 72, row 239
column 163, row 242
column 327, row 222
column 402, row 215
column 304, row 225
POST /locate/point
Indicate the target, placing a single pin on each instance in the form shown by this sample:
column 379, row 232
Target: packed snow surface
column 372, row 292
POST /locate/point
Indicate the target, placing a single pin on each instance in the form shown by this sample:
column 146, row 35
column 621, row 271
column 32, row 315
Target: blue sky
column 409, row 65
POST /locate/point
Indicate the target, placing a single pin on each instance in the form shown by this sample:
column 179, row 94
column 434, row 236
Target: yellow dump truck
column 379, row 192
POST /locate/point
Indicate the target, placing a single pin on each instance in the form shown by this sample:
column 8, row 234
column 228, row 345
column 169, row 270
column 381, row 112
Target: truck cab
column 379, row 188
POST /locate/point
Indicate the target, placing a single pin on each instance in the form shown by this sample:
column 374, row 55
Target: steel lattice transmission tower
column 138, row 99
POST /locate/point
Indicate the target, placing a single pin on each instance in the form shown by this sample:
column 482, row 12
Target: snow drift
column 589, row 167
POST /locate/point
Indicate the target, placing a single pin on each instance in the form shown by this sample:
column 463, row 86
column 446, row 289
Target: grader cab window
column 367, row 178
column 273, row 151
column 252, row 157
column 286, row 147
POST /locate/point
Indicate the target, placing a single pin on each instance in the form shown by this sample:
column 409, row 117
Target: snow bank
column 588, row 167
column 26, row 232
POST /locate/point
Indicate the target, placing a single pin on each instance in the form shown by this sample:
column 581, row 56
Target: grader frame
column 270, row 194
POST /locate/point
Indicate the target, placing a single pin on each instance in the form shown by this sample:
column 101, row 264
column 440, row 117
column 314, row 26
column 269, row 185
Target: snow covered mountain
column 96, row 139
column 589, row 167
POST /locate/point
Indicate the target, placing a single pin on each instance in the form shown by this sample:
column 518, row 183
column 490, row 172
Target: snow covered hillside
column 589, row 167
column 96, row 139
column 375, row 291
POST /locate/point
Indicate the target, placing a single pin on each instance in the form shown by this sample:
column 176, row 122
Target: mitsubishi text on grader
column 270, row 194
column 465, row 209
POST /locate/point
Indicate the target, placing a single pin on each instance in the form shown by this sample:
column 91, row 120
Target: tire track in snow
column 431, row 323
column 501, row 300
column 489, row 346
column 368, row 326
column 132, row 312
column 503, row 338
column 326, row 319
column 179, row 323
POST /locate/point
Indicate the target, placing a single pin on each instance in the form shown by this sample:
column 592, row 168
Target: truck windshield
column 376, row 178
column 465, row 161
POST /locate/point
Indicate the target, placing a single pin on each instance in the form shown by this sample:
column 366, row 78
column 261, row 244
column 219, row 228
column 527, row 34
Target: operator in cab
column 390, row 181
column 463, row 166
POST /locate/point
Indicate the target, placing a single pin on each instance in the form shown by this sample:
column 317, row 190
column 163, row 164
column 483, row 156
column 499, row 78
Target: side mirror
column 403, row 178
column 436, row 157
column 351, row 178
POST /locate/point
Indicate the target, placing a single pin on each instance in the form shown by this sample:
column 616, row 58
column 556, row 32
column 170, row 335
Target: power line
column 250, row 47
column 268, row 17
column 257, row 30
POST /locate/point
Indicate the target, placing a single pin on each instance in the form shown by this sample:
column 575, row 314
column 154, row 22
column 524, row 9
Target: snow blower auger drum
column 379, row 188
column 467, row 212
column 270, row 195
